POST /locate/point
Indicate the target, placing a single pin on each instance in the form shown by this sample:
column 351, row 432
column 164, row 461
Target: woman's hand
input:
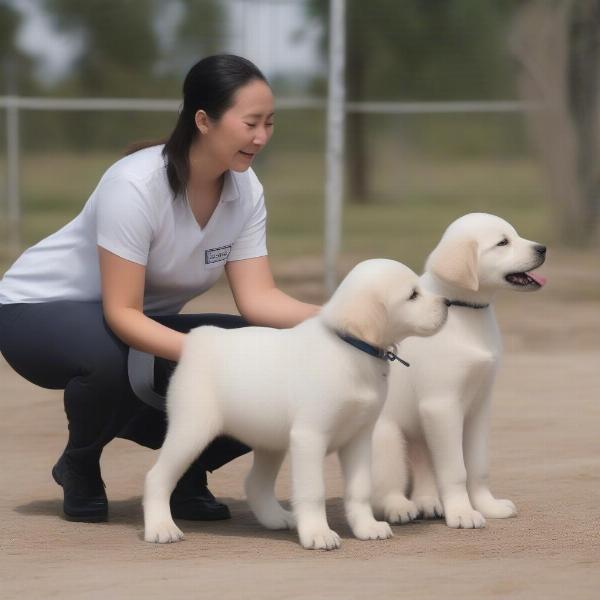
column 123, row 302
column 259, row 301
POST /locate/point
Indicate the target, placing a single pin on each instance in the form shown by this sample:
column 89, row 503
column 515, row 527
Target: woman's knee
column 105, row 364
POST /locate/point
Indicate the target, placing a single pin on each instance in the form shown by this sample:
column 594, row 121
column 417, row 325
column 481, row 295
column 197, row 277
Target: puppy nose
column 447, row 302
column 540, row 249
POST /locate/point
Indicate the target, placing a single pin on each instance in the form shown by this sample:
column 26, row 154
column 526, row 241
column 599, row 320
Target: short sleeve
column 123, row 220
column 252, row 241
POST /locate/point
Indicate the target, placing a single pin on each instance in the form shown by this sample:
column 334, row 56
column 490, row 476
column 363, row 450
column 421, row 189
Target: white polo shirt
column 133, row 214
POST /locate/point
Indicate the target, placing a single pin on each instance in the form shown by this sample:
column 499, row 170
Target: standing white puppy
column 436, row 417
column 315, row 389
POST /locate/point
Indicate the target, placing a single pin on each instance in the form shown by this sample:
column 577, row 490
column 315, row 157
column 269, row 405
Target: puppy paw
column 164, row 532
column 282, row 519
column 397, row 509
column 320, row 539
column 464, row 518
column 496, row 508
column 429, row 507
column 372, row 530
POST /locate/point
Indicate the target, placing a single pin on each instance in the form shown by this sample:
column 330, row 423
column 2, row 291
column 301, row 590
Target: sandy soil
column 545, row 457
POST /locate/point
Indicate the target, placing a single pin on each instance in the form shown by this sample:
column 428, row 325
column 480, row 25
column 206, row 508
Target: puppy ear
column 366, row 320
column 363, row 315
column 455, row 262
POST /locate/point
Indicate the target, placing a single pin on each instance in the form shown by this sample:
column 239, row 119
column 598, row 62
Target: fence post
column 12, row 158
column 334, row 175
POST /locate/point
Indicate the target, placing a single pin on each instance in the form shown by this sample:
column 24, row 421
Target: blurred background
column 453, row 106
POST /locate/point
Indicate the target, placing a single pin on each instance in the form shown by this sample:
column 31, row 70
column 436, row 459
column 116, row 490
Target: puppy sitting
column 437, row 412
column 315, row 388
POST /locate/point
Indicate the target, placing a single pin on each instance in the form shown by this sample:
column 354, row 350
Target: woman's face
column 244, row 129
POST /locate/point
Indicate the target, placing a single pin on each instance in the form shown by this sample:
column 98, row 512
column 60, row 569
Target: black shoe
column 193, row 501
column 84, row 496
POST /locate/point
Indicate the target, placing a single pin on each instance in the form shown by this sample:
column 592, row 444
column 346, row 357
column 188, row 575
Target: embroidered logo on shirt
column 216, row 254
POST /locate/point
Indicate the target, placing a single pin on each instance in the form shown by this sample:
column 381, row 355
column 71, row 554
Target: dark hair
column 210, row 85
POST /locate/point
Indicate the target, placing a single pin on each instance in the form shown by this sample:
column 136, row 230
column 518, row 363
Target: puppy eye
column 504, row 242
column 414, row 295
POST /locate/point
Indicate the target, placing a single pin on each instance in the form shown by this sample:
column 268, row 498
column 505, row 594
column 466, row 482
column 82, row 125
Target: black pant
column 68, row 345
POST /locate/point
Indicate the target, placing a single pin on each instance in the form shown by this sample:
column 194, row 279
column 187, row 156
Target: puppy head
column 484, row 252
column 381, row 302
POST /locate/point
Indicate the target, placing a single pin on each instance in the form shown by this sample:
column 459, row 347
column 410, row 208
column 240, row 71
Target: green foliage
column 200, row 32
column 425, row 49
column 421, row 51
column 415, row 198
column 122, row 55
column 119, row 44
column 16, row 67
column 9, row 23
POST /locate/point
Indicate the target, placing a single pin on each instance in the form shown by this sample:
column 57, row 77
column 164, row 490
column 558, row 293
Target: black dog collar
column 465, row 304
column 370, row 349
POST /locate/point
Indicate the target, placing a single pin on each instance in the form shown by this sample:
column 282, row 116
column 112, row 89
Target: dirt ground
column 545, row 457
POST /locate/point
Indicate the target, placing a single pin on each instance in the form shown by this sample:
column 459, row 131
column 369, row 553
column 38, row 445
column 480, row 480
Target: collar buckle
column 392, row 356
column 381, row 353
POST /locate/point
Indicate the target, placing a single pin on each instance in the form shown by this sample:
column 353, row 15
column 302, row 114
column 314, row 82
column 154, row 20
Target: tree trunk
column 584, row 65
column 563, row 135
column 356, row 140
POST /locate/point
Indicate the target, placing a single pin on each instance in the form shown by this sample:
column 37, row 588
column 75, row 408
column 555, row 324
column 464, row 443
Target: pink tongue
column 537, row 278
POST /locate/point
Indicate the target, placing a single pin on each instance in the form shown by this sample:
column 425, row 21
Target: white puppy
column 303, row 388
column 436, row 417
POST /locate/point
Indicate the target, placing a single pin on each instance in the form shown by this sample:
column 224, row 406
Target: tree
column 557, row 46
column 119, row 45
column 200, row 32
column 16, row 66
column 122, row 47
column 416, row 50
column 583, row 87
column 123, row 55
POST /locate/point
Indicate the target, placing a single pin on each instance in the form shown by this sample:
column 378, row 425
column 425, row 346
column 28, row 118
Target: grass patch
column 412, row 200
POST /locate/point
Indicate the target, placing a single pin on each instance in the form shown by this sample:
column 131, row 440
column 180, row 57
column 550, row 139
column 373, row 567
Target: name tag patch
column 215, row 255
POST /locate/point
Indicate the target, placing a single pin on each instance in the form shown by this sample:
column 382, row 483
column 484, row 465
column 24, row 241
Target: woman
column 158, row 230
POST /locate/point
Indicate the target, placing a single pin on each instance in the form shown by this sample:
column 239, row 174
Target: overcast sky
column 264, row 32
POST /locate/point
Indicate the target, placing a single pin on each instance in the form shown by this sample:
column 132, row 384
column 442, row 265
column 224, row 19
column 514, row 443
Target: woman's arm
column 123, row 302
column 258, row 299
